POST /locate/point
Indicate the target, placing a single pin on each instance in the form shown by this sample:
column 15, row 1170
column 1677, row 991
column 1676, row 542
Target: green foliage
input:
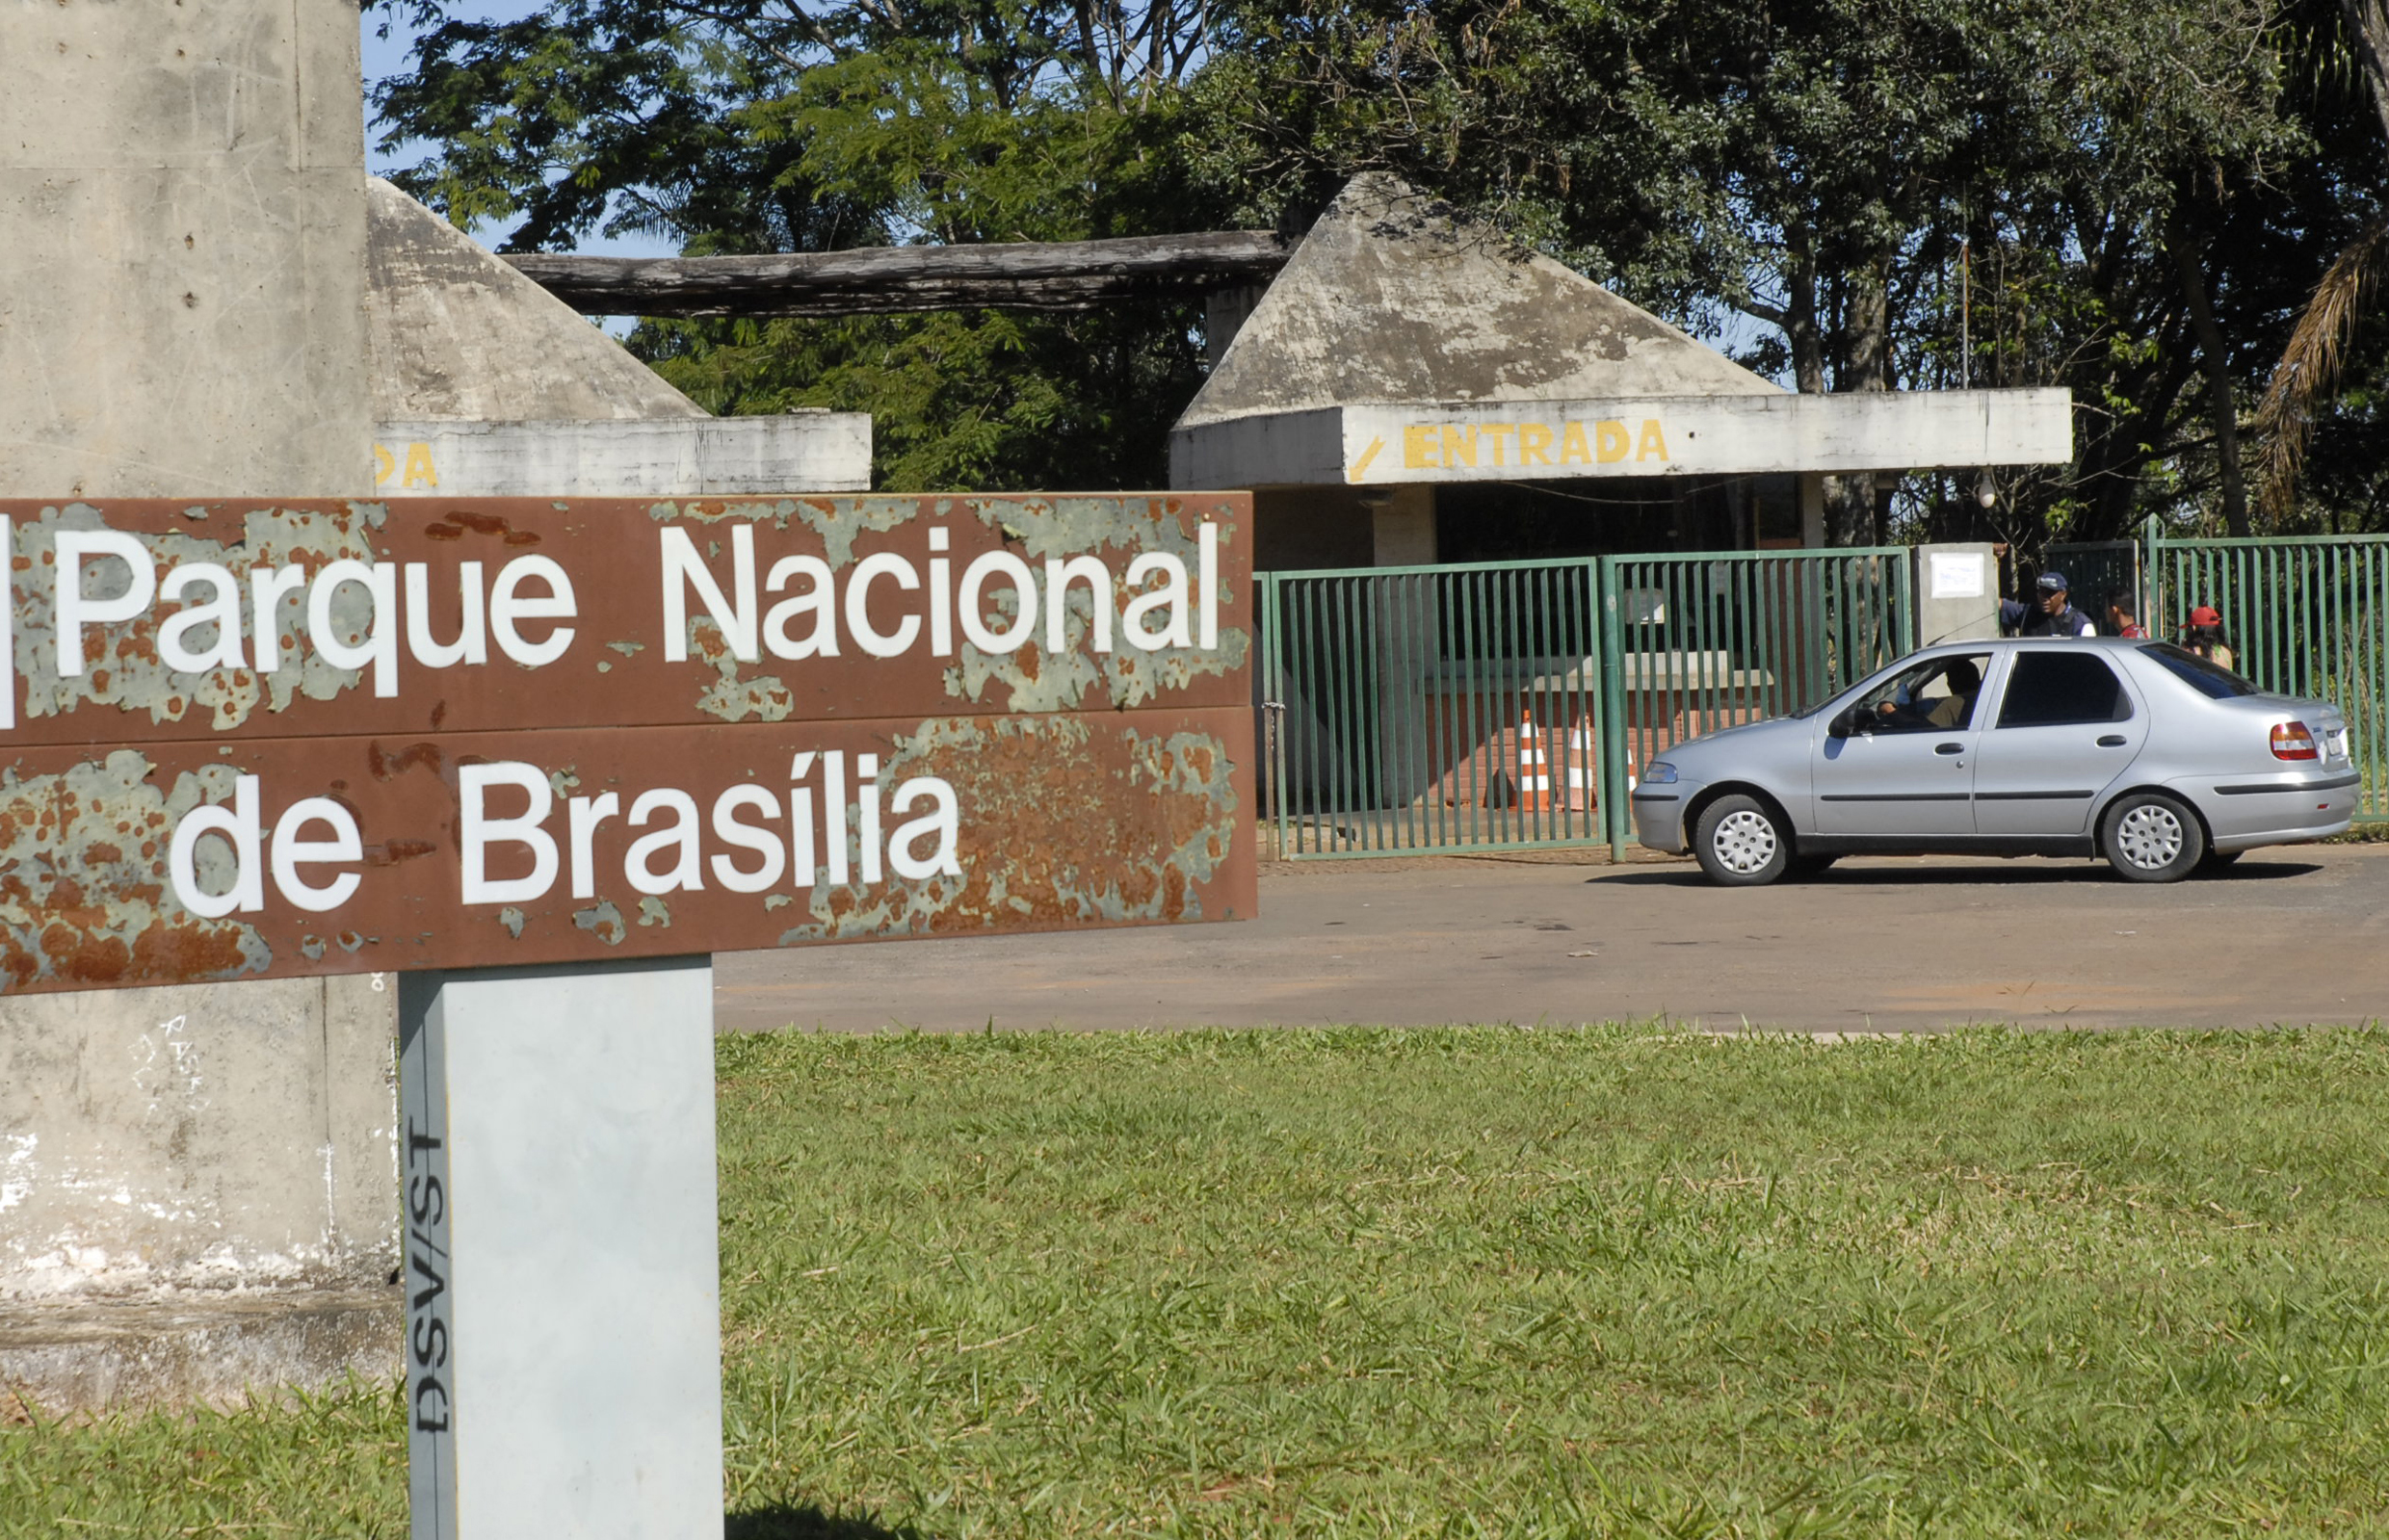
column 1864, row 194
column 1481, row 1281
column 959, row 399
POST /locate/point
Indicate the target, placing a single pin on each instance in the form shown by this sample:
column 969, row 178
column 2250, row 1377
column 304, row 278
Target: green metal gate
column 2304, row 616
column 2101, row 570
column 1505, row 705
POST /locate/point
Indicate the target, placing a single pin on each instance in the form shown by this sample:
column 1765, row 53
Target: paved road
column 2296, row 935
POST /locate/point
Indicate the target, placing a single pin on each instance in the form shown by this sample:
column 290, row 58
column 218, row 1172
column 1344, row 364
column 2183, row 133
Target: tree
column 752, row 125
column 1871, row 193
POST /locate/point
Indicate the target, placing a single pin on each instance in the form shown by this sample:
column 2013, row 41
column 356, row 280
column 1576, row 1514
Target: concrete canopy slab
column 1375, row 443
column 712, row 457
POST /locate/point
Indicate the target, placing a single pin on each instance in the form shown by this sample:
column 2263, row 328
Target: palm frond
column 2307, row 374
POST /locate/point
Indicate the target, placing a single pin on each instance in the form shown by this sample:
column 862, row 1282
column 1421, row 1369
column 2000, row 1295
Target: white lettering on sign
column 886, row 606
column 107, row 578
column 507, row 810
column 240, row 829
column 528, row 588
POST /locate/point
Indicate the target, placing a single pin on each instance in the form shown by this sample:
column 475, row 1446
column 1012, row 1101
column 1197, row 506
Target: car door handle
column 2113, row 741
column 1949, row 748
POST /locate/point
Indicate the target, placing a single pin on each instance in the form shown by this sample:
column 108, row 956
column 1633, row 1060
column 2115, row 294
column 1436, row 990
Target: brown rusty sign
column 266, row 737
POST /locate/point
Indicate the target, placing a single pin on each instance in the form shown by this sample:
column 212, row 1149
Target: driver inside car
column 1910, row 710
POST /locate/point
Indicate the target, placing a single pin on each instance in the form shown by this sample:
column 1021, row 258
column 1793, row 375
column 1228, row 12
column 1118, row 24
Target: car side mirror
column 1844, row 722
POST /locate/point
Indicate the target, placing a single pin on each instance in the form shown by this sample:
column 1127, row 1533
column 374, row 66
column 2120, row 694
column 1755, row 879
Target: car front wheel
column 2151, row 838
column 1741, row 842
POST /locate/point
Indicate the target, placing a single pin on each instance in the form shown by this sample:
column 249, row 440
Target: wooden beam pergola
column 1056, row 275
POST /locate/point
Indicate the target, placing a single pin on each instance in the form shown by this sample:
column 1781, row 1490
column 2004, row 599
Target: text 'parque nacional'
column 266, row 737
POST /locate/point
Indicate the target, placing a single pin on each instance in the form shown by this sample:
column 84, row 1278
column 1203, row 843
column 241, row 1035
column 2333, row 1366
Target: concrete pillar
column 1812, row 511
column 1403, row 530
column 182, row 314
column 1224, row 314
column 1957, row 593
column 1410, row 614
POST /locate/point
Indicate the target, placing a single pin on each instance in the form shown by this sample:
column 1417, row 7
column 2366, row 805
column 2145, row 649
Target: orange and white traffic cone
column 1533, row 768
column 1582, row 769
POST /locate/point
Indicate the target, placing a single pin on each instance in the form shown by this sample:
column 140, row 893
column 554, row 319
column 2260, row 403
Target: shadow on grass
column 2001, row 873
column 810, row 1523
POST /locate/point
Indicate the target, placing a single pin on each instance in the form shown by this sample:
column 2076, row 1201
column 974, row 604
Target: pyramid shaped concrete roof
column 1397, row 296
column 457, row 334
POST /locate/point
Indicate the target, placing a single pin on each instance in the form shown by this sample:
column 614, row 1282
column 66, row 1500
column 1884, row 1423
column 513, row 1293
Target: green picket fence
column 1505, row 705
column 2304, row 616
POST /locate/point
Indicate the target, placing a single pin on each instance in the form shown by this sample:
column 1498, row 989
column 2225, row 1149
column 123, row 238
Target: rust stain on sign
column 697, row 726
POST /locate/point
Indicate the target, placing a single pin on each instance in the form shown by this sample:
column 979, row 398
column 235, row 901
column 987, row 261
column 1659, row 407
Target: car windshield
column 2204, row 675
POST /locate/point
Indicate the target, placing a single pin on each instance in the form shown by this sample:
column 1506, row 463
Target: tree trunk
column 1799, row 328
column 2369, row 20
column 1851, row 499
column 2220, row 403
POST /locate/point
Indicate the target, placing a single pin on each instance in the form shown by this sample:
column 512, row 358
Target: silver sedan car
column 2153, row 757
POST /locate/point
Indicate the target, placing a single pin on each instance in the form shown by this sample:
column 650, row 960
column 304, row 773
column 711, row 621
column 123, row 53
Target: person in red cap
column 2205, row 636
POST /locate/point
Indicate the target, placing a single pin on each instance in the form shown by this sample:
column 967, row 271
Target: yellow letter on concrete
column 419, row 467
column 1419, row 445
column 1498, row 435
column 1534, row 443
column 1573, row 448
column 1652, row 443
column 1614, row 442
column 385, row 465
column 1458, row 450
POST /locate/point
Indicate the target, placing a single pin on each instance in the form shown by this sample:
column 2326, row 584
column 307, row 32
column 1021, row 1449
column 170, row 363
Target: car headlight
column 1659, row 772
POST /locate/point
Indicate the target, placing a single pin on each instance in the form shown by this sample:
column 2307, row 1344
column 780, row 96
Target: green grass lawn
column 1484, row 1282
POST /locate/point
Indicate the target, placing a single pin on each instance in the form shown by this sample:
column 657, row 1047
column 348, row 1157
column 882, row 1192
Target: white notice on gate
column 1958, row 574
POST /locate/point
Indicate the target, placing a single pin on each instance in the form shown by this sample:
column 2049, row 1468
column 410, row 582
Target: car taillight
column 2292, row 740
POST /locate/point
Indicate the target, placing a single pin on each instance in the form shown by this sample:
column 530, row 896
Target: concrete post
column 564, row 1364
column 1957, row 593
column 1408, row 622
column 1812, row 511
column 182, row 314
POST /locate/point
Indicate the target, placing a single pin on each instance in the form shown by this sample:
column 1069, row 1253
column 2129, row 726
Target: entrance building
column 1518, row 534
column 1414, row 388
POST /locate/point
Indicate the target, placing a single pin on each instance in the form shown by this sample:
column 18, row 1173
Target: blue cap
column 2054, row 582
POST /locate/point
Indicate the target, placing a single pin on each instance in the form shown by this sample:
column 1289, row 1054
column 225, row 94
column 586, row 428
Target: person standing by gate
column 2124, row 614
column 2050, row 615
column 2206, row 636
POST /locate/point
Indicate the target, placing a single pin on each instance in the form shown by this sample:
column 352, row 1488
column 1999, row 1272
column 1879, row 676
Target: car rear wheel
column 1740, row 844
column 2151, row 838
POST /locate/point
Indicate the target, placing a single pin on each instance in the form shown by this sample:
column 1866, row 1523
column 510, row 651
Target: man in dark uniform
column 2049, row 616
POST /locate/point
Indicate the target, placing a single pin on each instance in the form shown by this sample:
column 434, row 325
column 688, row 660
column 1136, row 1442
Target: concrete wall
column 181, row 288
column 677, row 457
column 182, row 313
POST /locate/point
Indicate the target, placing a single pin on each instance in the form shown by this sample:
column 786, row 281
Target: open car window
column 2204, row 675
column 2050, row 688
column 1937, row 696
